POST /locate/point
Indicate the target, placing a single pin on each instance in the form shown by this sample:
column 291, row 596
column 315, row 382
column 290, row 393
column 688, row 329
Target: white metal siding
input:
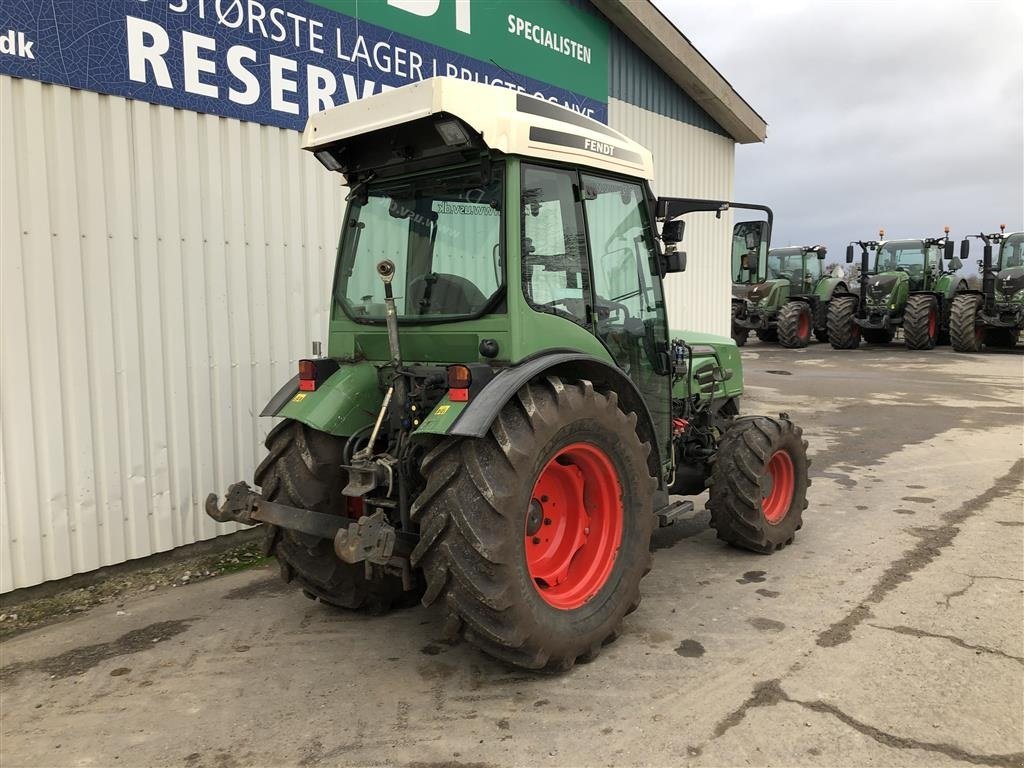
column 161, row 271
column 690, row 162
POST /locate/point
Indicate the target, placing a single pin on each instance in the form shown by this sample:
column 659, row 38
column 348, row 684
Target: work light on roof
column 328, row 160
column 452, row 132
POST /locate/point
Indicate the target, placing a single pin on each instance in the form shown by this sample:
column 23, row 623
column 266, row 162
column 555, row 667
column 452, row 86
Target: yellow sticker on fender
column 441, row 410
column 299, row 397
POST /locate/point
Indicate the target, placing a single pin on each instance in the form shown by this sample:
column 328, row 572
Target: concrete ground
column 891, row 633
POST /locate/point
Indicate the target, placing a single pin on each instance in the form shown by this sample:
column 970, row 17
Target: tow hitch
column 371, row 539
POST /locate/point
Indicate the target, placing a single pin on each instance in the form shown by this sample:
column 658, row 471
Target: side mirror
column 751, row 238
column 947, row 250
column 965, row 249
column 674, row 262
column 822, row 252
column 672, row 231
column 849, row 254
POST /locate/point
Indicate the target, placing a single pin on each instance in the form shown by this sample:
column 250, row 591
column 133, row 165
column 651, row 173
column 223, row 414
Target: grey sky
column 904, row 115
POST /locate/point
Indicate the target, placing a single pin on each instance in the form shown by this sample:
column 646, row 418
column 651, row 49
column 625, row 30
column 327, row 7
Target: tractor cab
column 800, row 266
column 919, row 260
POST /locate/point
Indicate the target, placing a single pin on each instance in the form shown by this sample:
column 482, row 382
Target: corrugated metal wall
column 690, row 162
column 160, row 273
column 162, row 270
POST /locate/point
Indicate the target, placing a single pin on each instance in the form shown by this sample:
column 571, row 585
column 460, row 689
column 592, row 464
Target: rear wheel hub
column 577, row 499
column 777, row 487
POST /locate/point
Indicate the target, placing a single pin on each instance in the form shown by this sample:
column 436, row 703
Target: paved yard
column 892, row 633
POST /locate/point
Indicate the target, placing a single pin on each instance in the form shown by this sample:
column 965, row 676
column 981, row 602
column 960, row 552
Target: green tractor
column 503, row 414
column 993, row 316
column 792, row 303
column 909, row 288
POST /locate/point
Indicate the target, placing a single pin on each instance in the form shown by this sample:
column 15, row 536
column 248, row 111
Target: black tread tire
column 769, row 335
column 843, row 332
column 739, row 334
column 1001, row 338
column 878, row 335
column 916, row 316
column 302, row 470
column 963, row 332
column 789, row 324
column 472, row 517
column 821, row 334
column 735, row 486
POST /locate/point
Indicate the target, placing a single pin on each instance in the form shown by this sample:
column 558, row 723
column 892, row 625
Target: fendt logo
column 16, row 44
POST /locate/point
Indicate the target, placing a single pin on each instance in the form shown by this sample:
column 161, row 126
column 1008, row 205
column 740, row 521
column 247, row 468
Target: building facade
column 167, row 249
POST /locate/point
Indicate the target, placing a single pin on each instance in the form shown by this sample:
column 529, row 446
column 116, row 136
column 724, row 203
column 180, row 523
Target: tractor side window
column 554, row 258
column 812, row 269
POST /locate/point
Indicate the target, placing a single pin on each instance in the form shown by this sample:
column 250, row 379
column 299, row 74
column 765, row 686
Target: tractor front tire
column 535, row 537
column 302, row 469
column 843, row 331
column 794, row 326
column 878, row 335
column 740, row 335
column 921, row 322
column 758, row 484
column 769, row 335
column 964, row 333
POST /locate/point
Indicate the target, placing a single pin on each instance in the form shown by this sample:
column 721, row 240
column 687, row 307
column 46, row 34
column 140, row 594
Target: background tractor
column 993, row 316
column 792, row 303
column 908, row 287
column 503, row 412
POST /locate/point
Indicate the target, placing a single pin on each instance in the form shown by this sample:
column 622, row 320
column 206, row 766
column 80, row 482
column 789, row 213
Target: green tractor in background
column 993, row 316
column 792, row 303
column 503, row 416
column 908, row 287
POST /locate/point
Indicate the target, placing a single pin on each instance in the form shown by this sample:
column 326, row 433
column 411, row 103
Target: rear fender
column 474, row 419
column 348, row 401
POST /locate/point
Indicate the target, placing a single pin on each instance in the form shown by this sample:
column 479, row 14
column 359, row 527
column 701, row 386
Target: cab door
column 628, row 304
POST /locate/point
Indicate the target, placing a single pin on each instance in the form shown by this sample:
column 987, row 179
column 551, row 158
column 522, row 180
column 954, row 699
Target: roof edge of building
column 659, row 38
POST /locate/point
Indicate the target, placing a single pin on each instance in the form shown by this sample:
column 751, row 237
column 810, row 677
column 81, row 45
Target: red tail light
column 313, row 373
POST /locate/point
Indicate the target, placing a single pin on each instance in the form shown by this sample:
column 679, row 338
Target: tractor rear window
column 443, row 233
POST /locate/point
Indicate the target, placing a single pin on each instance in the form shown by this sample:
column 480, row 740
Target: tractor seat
column 438, row 293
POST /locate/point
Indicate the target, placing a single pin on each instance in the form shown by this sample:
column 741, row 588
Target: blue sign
column 255, row 60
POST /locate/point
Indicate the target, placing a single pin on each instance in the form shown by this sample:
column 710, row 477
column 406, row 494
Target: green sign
column 548, row 40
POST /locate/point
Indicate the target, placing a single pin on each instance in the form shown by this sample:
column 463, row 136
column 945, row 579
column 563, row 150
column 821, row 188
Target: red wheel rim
column 933, row 322
column 778, row 496
column 803, row 327
column 574, row 526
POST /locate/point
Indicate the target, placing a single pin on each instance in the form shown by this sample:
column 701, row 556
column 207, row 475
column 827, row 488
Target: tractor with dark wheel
column 993, row 316
column 503, row 416
column 910, row 286
column 791, row 305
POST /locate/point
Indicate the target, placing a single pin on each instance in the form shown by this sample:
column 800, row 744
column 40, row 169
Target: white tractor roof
column 509, row 121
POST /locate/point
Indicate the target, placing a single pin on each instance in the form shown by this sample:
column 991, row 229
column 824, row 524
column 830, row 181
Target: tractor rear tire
column 758, row 484
column 821, row 334
column 769, row 335
column 1001, row 338
column 921, row 322
column 739, row 334
column 523, row 590
column 878, row 335
column 302, row 470
column 964, row 333
column 843, row 331
column 794, row 325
